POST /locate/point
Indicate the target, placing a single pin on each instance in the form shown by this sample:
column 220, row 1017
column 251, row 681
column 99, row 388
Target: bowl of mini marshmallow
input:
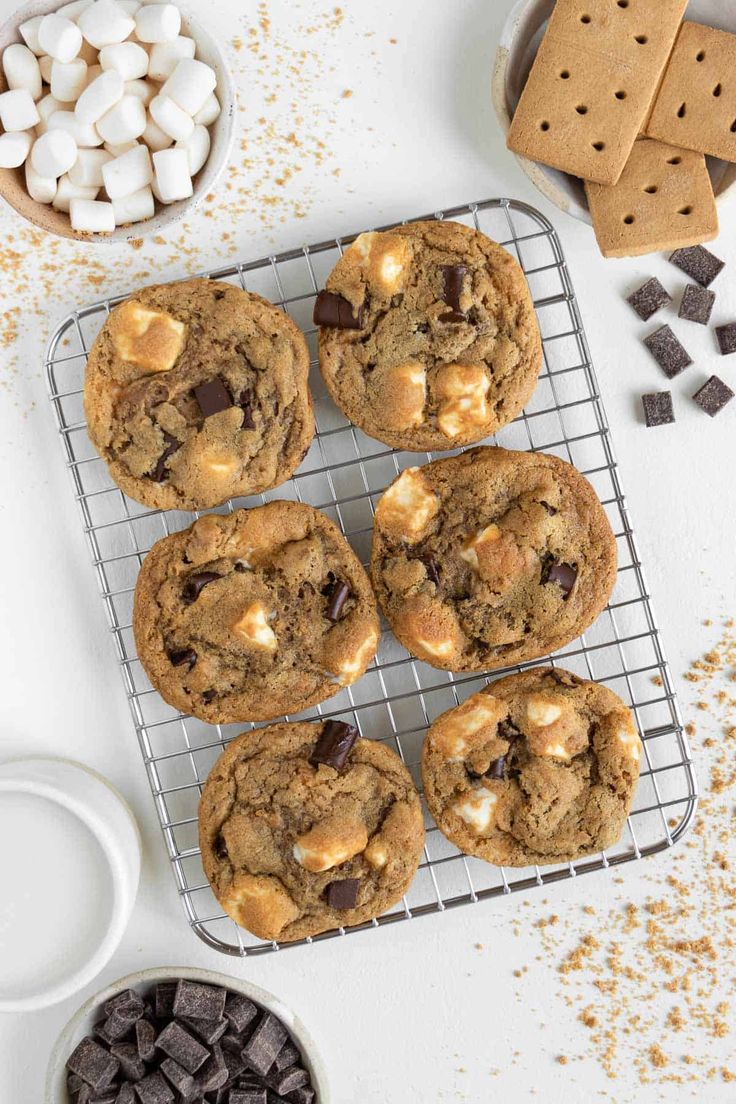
column 116, row 116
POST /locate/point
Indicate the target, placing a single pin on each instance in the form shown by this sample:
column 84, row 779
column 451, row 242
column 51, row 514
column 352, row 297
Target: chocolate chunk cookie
column 303, row 827
column 428, row 336
column 490, row 558
column 197, row 392
column 255, row 614
column 539, row 767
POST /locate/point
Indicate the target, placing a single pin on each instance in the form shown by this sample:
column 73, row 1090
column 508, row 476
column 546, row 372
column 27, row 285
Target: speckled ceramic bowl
column 43, row 215
column 517, row 49
column 84, row 1019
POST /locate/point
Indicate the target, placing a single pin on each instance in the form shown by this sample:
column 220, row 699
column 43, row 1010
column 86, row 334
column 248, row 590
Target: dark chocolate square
column 649, row 298
column 658, row 408
column 697, row 304
column 92, row 1063
column 176, row 1041
column 699, row 263
column 239, row 1011
column 154, row 1090
column 212, row 397
column 727, row 338
column 164, row 999
column 259, row 1053
column 203, row 1002
column 667, row 351
column 713, row 396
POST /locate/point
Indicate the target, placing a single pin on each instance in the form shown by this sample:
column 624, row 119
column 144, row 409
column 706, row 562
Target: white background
column 414, row 1012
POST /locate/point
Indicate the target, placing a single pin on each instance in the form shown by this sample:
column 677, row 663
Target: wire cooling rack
column 343, row 474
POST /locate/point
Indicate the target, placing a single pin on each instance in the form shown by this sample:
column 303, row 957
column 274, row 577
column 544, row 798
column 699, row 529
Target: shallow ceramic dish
column 84, row 1019
column 517, row 49
column 43, row 215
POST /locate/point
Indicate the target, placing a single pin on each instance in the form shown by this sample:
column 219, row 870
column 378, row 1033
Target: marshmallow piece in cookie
column 330, row 843
column 407, row 507
column 150, row 339
column 553, row 728
column 400, row 392
column 477, row 808
column 385, row 259
column 349, row 669
column 254, row 629
column 261, row 904
column 432, row 629
column 462, row 390
column 469, row 726
column 496, row 557
column 629, row 737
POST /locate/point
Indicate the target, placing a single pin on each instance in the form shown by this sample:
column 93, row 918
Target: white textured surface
column 414, row 1012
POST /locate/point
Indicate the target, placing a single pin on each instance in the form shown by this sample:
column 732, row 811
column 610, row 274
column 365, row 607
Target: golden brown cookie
column 428, row 336
column 251, row 615
column 304, row 828
column 197, row 392
column 539, row 767
column 490, row 558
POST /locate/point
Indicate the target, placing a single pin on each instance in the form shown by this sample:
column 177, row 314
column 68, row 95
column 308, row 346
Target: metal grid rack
column 343, row 474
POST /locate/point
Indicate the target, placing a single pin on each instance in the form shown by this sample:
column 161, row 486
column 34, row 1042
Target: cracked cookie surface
column 539, row 767
column 197, row 392
column 428, row 336
column 254, row 614
column 294, row 845
column 491, row 557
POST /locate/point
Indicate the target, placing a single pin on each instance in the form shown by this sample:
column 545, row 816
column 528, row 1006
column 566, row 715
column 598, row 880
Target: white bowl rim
column 124, row 892
column 55, row 1079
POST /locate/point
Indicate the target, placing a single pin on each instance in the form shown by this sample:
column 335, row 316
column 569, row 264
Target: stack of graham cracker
column 628, row 97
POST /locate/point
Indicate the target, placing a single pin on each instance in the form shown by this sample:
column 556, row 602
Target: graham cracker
column 696, row 104
column 592, row 84
column 663, row 200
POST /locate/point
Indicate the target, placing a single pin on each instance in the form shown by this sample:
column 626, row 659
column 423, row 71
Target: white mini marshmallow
column 190, row 85
column 165, row 56
column 92, row 215
column 197, row 147
column 74, row 10
column 171, row 118
column 99, row 96
column 29, row 32
column 105, row 23
column 84, row 134
column 14, row 148
column 134, row 208
column 128, row 173
column 127, row 58
column 157, row 22
column 208, row 112
column 46, row 106
column 54, row 153
column 155, row 138
column 86, row 172
column 59, row 37
column 173, row 181
column 130, row 7
column 45, row 65
column 17, row 110
column 66, row 191
column 40, row 188
column 119, row 150
column 145, row 90
column 68, row 79
column 123, row 122
column 21, row 69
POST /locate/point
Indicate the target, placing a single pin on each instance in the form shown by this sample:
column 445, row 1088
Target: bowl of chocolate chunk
column 170, row 1035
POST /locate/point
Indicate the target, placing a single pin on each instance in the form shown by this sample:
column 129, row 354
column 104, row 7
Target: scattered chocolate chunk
column 333, row 310
column 92, row 1063
column 699, row 263
column 233, row 1060
column 248, row 1096
column 212, row 397
column 208, row 695
column 564, row 575
column 145, row 1038
column 239, row 1012
column 128, row 1004
column 334, row 744
column 343, row 894
column 132, row 1066
column 287, row 1056
column 726, row 338
column 453, row 276
column 154, row 1090
column 209, row 1031
column 497, row 768
column 114, row 1028
column 192, row 589
column 213, row 1073
column 432, row 568
column 245, row 402
column 338, row 595
column 697, row 304
column 204, row 1002
column 304, row 1095
column 713, row 396
column 175, row 1041
column 126, row 1094
column 182, row 1081
column 649, row 298
column 73, row 1083
column 668, row 352
column 551, row 510
column 181, row 656
column 260, row 1051
column 658, row 409
column 109, row 1096
column 159, row 471
column 286, row 1080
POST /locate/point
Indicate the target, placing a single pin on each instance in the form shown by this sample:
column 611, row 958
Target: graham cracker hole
column 717, row 90
column 623, row 3
column 700, row 56
column 674, row 160
column 681, row 111
column 685, row 211
column 620, row 95
column 641, row 39
column 581, row 109
column 629, row 219
column 599, row 146
column 733, row 127
column 544, row 125
column 565, row 74
column 585, row 19
column 651, row 189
